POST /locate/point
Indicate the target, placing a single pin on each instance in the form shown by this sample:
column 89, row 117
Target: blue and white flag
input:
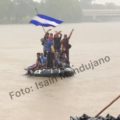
column 45, row 21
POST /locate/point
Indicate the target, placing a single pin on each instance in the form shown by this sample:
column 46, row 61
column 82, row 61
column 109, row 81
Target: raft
column 86, row 117
column 67, row 72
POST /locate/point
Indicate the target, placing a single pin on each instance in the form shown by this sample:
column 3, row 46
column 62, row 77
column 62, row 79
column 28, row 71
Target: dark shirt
column 65, row 43
column 57, row 42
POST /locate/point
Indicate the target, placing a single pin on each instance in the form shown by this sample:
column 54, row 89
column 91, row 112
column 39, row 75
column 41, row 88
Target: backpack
column 69, row 46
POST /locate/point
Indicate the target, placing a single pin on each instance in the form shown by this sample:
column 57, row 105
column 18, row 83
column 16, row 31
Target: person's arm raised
column 60, row 34
column 71, row 33
column 47, row 32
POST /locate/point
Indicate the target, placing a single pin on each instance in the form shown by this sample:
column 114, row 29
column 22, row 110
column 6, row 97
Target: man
column 49, row 46
column 44, row 42
column 57, row 41
column 65, row 46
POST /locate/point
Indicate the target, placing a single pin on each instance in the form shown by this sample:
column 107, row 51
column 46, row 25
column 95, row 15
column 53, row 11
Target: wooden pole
column 107, row 106
column 42, row 26
column 44, row 29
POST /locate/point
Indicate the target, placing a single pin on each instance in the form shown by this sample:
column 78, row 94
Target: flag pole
column 44, row 29
column 37, row 13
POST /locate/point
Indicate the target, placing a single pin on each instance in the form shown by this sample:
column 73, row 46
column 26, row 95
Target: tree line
column 21, row 11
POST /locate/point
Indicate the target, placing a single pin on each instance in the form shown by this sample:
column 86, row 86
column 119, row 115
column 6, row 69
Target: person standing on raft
column 65, row 46
column 57, row 41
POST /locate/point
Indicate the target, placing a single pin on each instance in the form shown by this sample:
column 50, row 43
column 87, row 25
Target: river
column 86, row 92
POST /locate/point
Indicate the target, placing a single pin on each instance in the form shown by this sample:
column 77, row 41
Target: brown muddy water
column 86, row 92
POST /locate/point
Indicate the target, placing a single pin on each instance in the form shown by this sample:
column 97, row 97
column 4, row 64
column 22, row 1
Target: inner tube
column 52, row 72
column 86, row 117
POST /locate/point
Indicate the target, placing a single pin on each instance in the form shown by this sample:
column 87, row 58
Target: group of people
column 55, row 51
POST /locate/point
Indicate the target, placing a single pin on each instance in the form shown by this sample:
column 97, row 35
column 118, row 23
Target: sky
column 117, row 2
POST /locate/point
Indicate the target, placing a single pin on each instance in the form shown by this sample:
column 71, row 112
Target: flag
column 45, row 21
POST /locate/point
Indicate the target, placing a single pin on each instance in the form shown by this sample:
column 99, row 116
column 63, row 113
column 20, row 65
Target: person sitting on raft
column 65, row 46
column 43, row 61
column 37, row 65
